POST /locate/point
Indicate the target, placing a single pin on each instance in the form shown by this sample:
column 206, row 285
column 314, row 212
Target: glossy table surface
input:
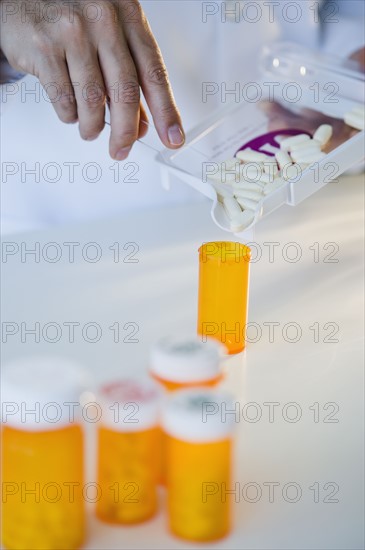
column 299, row 384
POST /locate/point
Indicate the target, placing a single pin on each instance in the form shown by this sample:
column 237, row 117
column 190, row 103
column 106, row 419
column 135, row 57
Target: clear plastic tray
column 329, row 88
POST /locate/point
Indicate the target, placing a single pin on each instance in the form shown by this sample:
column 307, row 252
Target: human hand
column 86, row 54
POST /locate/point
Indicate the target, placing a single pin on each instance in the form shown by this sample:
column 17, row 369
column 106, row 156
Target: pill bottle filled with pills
column 42, row 455
column 128, row 450
column 223, row 293
column 179, row 362
column 199, row 437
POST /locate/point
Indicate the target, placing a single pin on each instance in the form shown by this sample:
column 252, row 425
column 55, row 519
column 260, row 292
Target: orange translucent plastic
column 171, row 387
column 174, row 386
column 223, row 293
column 42, row 489
column 198, row 474
column 127, row 475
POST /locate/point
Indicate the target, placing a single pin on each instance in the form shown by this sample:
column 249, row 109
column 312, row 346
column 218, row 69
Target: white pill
column 223, row 191
column 305, row 152
column 310, row 157
column 283, row 159
column 271, row 168
column 242, row 220
column 247, row 204
column 266, row 178
column 304, row 144
column 355, row 121
column 248, row 194
column 252, row 170
column 249, row 155
column 293, row 171
column 224, row 177
column 323, row 134
column 287, row 143
column 358, row 110
column 230, row 164
column 274, row 185
column 248, row 186
column 231, row 207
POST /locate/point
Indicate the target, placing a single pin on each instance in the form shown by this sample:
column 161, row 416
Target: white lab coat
column 73, row 180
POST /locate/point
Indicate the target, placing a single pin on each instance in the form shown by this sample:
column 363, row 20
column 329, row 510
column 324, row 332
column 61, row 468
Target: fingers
column 89, row 89
column 55, row 79
column 154, row 81
column 143, row 122
column 123, row 91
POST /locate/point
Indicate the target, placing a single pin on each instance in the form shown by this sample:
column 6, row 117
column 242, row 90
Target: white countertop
column 159, row 294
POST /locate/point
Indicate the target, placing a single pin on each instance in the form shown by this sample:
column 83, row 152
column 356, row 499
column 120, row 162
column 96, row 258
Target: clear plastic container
column 199, row 463
column 326, row 88
column 42, row 456
column 128, row 451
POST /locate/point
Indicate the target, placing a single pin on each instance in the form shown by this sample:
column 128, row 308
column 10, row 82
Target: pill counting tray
column 300, row 91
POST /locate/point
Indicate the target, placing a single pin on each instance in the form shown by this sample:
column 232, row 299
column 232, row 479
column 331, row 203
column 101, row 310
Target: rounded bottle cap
column 41, row 393
column 199, row 415
column 186, row 359
column 130, row 404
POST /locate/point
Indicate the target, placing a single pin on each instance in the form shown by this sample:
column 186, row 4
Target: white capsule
column 271, row 168
column 355, row 121
column 287, row 143
column 224, row 177
column 293, row 171
column 231, row 207
column 283, row 159
column 223, row 191
column 274, row 185
column 230, row 164
column 252, row 171
column 242, row 220
column 266, row 178
column 304, row 145
column 249, row 155
column 248, row 194
column 305, row 152
column 323, row 134
column 358, row 110
column 310, row 157
column 248, row 186
column 247, row 204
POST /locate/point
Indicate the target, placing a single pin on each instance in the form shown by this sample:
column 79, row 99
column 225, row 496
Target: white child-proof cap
column 186, row 359
column 130, row 404
column 41, row 393
column 199, row 415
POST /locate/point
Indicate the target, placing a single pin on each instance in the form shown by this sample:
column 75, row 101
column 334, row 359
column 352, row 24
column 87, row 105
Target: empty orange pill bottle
column 128, row 451
column 42, row 455
column 199, row 463
column 223, row 293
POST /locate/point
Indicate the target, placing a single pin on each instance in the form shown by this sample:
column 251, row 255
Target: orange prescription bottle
column 179, row 362
column 223, row 293
column 42, row 455
column 199, row 449
column 128, row 450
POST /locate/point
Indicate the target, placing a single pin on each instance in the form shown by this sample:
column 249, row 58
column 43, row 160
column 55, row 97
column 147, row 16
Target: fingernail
column 123, row 153
column 176, row 135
